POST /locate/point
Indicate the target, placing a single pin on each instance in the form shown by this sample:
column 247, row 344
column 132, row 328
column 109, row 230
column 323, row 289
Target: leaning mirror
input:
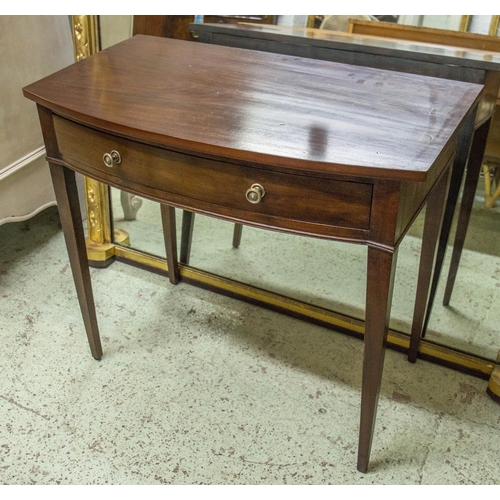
column 331, row 275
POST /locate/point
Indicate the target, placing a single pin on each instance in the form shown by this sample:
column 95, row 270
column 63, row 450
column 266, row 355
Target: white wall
column 31, row 47
column 114, row 29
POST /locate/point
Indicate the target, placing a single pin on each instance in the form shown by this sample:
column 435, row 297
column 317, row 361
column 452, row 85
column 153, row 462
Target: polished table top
column 345, row 152
column 403, row 48
column 263, row 108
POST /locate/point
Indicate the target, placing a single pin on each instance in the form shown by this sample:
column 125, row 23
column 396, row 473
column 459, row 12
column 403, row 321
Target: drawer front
column 219, row 185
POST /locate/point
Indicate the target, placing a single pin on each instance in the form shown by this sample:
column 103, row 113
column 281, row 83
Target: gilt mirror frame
column 105, row 244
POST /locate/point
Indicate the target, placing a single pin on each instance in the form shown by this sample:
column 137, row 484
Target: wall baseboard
column 25, row 188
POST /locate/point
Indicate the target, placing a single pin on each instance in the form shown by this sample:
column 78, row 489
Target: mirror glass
column 332, row 274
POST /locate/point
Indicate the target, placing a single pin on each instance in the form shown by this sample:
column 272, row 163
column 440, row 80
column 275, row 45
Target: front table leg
column 66, row 193
column 380, row 281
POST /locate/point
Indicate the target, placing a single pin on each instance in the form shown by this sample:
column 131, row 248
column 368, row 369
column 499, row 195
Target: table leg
column 186, row 236
column 434, row 214
column 457, row 173
column 471, row 180
column 238, row 229
column 380, row 281
column 170, row 236
column 66, row 193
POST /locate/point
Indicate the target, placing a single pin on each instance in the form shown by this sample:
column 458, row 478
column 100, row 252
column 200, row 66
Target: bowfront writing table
column 431, row 59
column 307, row 147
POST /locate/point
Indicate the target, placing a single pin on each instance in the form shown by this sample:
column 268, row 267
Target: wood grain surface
column 263, row 108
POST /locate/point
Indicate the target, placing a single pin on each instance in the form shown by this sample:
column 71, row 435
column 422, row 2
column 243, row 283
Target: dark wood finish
column 170, row 235
column 342, row 152
column 66, row 191
column 237, row 232
column 485, row 147
column 436, row 59
column 380, row 284
column 457, row 173
column 473, row 170
column 186, row 236
column 432, row 228
column 318, row 204
column 381, row 269
column 164, row 26
column 305, row 117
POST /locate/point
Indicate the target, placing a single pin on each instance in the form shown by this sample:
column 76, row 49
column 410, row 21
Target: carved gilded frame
column 102, row 250
column 100, row 244
column 493, row 28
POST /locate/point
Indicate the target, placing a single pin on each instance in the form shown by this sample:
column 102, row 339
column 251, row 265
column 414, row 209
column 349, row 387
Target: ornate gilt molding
column 464, row 23
column 97, row 202
column 85, row 36
column 495, row 20
column 493, row 28
column 98, row 211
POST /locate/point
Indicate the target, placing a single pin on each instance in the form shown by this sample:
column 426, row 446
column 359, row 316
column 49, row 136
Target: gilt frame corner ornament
column 85, row 36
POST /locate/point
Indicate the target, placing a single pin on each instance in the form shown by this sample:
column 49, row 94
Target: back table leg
column 475, row 158
column 470, row 186
column 66, row 193
column 186, row 236
column 432, row 227
column 457, row 173
column 380, row 281
column 170, row 237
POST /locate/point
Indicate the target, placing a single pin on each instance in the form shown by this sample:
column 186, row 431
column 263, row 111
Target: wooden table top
column 263, row 108
column 376, row 45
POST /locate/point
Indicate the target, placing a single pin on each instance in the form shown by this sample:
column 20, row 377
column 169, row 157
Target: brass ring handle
column 110, row 158
column 255, row 193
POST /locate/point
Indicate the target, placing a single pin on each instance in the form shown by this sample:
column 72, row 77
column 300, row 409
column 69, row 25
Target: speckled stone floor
column 196, row 388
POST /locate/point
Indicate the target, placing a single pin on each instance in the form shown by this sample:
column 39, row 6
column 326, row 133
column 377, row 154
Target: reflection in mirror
column 332, row 274
column 479, row 24
column 438, row 22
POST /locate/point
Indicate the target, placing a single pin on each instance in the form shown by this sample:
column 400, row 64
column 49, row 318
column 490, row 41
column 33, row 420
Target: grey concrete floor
column 196, row 388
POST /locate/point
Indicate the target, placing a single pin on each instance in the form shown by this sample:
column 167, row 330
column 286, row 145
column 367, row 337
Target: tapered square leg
column 237, row 232
column 186, row 236
column 380, row 282
column 66, row 193
column 470, row 185
column 170, row 236
column 432, row 228
column 472, row 157
column 462, row 156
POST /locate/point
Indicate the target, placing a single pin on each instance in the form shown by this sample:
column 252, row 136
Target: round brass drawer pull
column 255, row 193
column 110, row 158
column 116, row 156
